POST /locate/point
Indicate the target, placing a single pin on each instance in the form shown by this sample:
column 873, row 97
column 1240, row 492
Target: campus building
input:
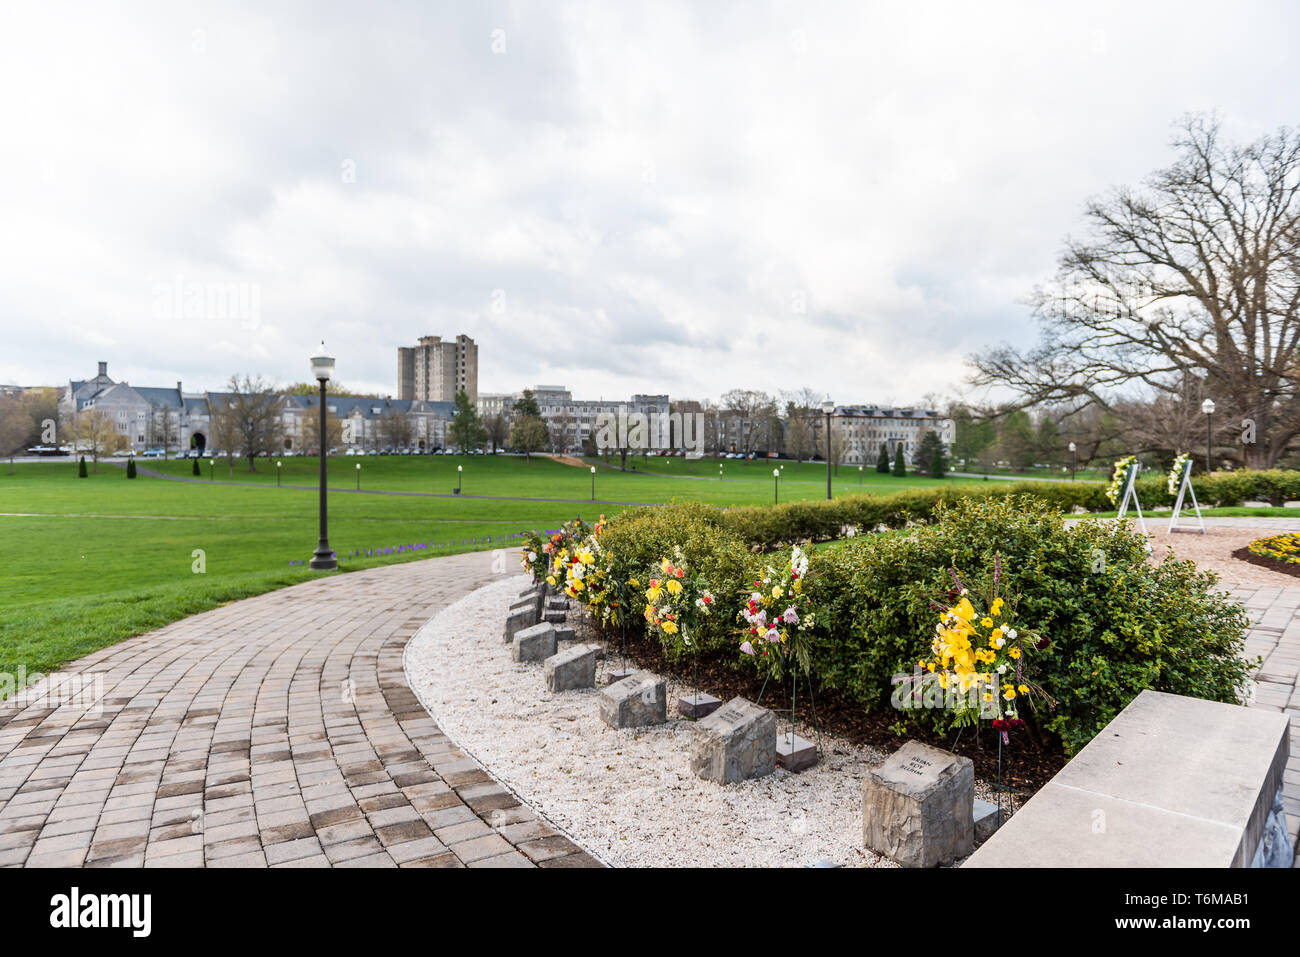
column 570, row 421
column 150, row 417
column 860, row 431
column 434, row 370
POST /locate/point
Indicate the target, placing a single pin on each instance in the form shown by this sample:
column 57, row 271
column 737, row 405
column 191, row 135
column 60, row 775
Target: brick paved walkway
column 1275, row 637
column 276, row 731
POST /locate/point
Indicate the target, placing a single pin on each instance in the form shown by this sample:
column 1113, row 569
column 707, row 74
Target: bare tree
column 162, row 427
column 1197, row 274
column 395, row 427
column 311, row 430
column 251, row 418
column 95, row 432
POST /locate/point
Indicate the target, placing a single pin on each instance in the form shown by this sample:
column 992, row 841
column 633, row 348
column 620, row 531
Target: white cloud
column 670, row 197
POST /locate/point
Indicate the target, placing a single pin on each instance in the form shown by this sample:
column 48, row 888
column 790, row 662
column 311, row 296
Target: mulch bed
column 1286, row 568
column 1025, row 767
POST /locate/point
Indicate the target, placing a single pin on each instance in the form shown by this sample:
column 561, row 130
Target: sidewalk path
column 278, row 730
column 1275, row 636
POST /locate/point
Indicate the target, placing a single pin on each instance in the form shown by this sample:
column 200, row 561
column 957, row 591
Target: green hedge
column 1117, row 622
column 820, row 521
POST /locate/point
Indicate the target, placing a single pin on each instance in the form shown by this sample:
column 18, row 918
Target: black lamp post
column 1208, row 408
column 460, row 469
column 358, row 476
column 1074, row 459
column 593, row 483
column 828, row 407
column 859, row 476
column 322, row 367
column 277, row 473
column 776, row 486
column 212, row 465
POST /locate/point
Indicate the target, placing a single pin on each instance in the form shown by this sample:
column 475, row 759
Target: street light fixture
column 828, row 407
column 358, row 476
column 1074, row 458
column 776, row 486
column 278, row 463
column 212, row 464
column 859, row 476
column 593, row 483
column 1208, row 408
column 322, row 368
column 460, row 469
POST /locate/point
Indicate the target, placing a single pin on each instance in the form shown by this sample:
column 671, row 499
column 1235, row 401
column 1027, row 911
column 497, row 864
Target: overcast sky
column 617, row 197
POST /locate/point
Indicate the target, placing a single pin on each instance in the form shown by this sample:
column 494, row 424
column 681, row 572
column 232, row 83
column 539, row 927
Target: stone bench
column 1170, row 782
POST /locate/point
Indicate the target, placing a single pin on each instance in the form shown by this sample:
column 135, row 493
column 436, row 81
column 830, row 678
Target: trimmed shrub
column 195, row 469
column 900, row 467
column 1116, row 622
column 81, row 468
column 882, row 463
column 643, row 537
column 130, row 468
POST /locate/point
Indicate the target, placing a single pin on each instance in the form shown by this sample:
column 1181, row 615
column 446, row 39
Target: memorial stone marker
column 571, row 669
column 917, row 807
column 534, row 644
column 638, row 700
column 736, row 742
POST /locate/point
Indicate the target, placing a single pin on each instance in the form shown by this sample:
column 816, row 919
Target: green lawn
column 86, row 562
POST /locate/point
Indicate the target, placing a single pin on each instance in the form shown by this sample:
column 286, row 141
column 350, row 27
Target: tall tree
column 900, row 466
column 94, row 431
column 798, row 434
column 498, row 430
column 311, row 429
column 466, row 430
column 14, row 423
column 42, row 406
column 526, row 405
column 882, row 463
column 162, row 427
column 1016, row 440
column 252, row 419
column 1197, row 273
column 395, row 427
column 529, row 435
column 755, row 410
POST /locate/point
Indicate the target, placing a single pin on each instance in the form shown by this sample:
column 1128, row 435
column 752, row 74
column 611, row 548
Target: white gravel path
column 627, row 796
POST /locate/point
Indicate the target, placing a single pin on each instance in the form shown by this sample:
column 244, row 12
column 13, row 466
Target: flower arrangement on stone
column 1117, row 478
column 613, row 590
column 1176, row 472
column 584, row 565
column 676, row 601
column 533, row 557
column 980, row 652
column 559, row 550
column 779, row 616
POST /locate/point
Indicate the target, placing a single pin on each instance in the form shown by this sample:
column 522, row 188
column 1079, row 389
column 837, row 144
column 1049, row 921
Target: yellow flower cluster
column 1282, row 548
column 977, row 652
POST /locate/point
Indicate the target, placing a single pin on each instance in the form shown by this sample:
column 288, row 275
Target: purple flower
column 747, row 648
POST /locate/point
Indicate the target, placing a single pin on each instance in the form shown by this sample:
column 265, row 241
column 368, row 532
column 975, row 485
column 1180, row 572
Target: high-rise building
column 434, row 369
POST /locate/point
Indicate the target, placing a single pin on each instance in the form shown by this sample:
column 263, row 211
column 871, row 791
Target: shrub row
column 1117, row 623
column 820, row 521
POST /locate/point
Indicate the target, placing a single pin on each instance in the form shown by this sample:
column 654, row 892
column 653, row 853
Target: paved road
column 1275, row 637
column 278, row 730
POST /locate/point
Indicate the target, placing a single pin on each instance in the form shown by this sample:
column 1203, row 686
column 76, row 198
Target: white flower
column 1010, row 633
column 1002, row 669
